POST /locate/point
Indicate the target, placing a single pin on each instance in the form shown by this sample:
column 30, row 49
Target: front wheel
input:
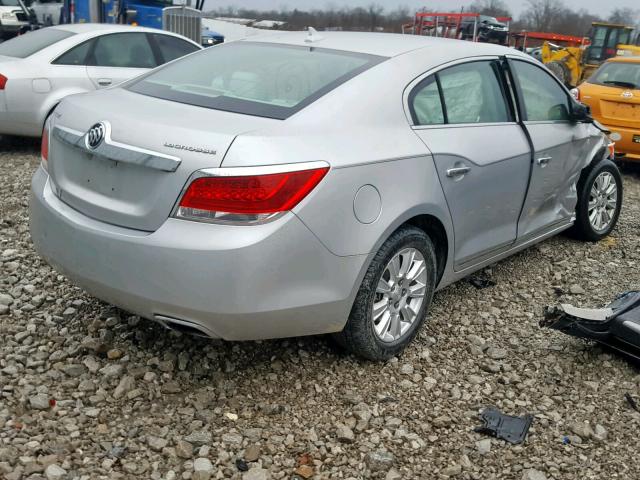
column 394, row 297
column 599, row 202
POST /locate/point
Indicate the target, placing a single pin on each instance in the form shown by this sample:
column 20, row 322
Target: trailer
column 470, row 26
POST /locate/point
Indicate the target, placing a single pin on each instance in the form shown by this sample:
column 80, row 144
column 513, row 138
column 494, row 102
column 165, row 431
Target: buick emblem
column 95, row 135
column 627, row 94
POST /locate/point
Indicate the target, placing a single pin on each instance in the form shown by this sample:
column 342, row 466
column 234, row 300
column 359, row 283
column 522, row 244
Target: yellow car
column 613, row 93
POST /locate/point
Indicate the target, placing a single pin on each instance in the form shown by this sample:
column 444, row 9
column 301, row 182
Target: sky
column 598, row 7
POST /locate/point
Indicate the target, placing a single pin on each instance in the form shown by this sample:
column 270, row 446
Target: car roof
column 624, row 59
column 382, row 44
column 80, row 28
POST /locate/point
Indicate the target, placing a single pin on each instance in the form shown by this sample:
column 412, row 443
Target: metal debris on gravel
column 91, row 392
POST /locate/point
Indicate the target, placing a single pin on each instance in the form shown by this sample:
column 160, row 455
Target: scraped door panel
column 485, row 202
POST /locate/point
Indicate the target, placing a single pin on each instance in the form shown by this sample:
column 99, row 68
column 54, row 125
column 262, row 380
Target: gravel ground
column 93, row 393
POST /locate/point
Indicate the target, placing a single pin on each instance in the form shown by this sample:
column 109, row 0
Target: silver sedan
column 298, row 184
column 40, row 68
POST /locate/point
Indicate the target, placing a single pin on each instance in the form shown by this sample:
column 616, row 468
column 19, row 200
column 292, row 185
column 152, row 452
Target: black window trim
column 495, row 64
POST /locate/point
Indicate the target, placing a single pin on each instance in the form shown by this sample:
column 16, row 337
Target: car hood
column 120, row 184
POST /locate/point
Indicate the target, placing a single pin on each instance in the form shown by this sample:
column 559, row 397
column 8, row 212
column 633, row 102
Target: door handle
column 457, row 171
column 544, row 161
column 104, row 82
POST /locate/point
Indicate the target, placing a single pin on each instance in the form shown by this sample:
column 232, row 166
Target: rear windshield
column 32, row 42
column 260, row 79
column 618, row 74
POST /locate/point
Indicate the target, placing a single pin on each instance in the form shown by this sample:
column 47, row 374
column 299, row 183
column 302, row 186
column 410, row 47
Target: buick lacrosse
column 304, row 183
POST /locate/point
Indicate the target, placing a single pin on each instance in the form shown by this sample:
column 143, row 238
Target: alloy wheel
column 399, row 295
column 603, row 201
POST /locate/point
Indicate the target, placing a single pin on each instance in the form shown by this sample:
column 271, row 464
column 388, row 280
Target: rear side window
column 544, row 99
column 427, row 106
column 259, row 79
column 76, row 56
column 123, row 50
column 26, row 45
column 465, row 94
column 172, row 47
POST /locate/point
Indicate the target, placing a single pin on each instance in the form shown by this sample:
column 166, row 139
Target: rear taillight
column 247, row 195
column 44, row 148
column 3, row 81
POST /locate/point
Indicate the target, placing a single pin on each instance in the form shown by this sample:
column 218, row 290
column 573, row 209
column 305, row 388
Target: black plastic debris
column 632, row 403
column 242, row 465
column 481, row 282
column 616, row 326
column 512, row 429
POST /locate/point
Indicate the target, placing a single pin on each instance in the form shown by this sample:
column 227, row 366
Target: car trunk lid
column 619, row 106
column 150, row 149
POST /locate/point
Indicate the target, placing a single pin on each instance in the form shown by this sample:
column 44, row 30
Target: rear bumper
column 235, row 283
column 626, row 148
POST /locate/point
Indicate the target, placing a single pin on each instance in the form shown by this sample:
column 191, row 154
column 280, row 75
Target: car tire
column 561, row 72
column 364, row 331
column 598, row 188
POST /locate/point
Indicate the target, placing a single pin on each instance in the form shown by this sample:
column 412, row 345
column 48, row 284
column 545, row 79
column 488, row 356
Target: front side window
column 471, row 93
column 259, row 79
column 26, row 45
column 122, row 50
column 172, row 47
column 544, row 99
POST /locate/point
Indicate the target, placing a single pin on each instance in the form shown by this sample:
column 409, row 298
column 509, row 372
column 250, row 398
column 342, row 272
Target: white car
column 40, row 68
column 14, row 18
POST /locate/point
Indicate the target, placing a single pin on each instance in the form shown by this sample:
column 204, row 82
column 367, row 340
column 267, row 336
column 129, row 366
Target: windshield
column 618, row 74
column 32, row 42
column 259, row 79
column 10, row 3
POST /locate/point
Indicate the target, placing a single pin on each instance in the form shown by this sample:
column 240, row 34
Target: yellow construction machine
column 573, row 65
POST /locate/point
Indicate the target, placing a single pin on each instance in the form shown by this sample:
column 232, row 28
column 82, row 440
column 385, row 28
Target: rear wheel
column 599, row 202
column 394, row 297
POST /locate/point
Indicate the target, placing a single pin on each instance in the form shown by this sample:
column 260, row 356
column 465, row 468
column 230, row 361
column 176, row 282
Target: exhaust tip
column 183, row 326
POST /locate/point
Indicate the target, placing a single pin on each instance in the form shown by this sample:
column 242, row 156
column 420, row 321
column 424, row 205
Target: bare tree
column 494, row 8
column 374, row 11
column 541, row 14
column 625, row 16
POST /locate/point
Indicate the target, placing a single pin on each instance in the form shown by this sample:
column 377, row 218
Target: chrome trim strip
column 119, row 152
column 261, row 169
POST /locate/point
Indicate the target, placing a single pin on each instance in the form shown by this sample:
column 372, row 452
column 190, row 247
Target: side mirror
column 580, row 113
